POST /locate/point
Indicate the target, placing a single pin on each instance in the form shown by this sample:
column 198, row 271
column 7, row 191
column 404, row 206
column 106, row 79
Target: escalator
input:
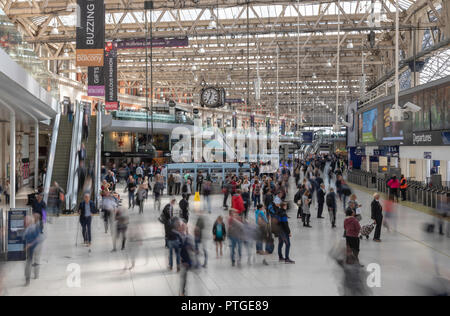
column 66, row 164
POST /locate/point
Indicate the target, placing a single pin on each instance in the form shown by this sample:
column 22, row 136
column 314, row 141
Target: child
column 219, row 233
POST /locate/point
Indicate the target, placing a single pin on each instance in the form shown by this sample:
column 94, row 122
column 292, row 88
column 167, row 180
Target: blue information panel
column 16, row 229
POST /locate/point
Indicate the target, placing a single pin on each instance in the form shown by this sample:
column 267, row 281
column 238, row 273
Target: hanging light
column 329, row 65
column 350, row 45
column 314, row 76
column 202, row 50
column 213, row 24
column 194, row 68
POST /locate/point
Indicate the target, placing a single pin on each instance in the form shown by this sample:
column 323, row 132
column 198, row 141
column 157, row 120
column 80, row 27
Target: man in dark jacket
column 184, row 206
column 377, row 216
column 332, row 206
column 39, row 209
column 320, row 200
column 165, row 219
column 86, row 209
column 284, row 234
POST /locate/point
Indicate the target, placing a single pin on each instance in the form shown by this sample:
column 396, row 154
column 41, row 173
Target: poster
column 90, row 38
column 16, row 229
column 111, row 102
column 392, row 130
column 369, row 126
column 96, row 82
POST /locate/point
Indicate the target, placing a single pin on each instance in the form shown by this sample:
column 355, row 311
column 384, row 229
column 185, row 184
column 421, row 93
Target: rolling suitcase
column 367, row 230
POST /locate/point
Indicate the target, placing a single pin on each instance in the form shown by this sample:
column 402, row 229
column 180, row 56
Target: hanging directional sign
column 90, row 39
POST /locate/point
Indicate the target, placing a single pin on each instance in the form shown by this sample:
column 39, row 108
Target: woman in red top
column 394, row 186
column 237, row 202
column 352, row 231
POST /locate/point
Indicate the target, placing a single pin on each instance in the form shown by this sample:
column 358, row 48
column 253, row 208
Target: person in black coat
column 39, row 207
column 86, row 209
column 184, row 206
column 332, row 206
column 320, row 200
column 377, row 216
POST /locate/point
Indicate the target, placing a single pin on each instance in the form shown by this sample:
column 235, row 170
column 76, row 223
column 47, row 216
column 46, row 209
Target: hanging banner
column 110, row 70
column 155, row 43
column 96, row 82
column 90, row 33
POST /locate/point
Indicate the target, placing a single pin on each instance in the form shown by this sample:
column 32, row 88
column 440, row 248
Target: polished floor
column 408, row 257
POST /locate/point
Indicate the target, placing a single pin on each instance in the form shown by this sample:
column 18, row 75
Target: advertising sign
column 369, row 127
column 96, row 82
column 110, row 70
column 16, row 229
column 352, row 118
column 392, row 130
column 307, row 137
column 155, row 43
column 90, row 39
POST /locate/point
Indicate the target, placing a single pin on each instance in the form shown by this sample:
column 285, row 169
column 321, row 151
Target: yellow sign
column 197, row 197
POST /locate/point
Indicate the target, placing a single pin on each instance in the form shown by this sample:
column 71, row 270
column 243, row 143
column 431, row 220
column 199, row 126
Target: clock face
column 210, row 97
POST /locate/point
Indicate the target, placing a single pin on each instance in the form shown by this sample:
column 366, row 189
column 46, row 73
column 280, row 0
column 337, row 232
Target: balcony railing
column 11, row 41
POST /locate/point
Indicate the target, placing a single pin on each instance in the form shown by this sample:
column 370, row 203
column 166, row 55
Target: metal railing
column 417, row 192
column 76, row 132
column 51, row 157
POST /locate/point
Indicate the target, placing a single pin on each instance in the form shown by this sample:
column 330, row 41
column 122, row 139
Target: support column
column 36, row 155
column 12, row 159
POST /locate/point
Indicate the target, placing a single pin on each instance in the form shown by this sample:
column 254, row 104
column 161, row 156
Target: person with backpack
column 219, row 233
column 332, row 206
column 184, row 209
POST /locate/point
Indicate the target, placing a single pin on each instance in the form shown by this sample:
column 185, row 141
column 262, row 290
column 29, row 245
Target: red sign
column 111, row 106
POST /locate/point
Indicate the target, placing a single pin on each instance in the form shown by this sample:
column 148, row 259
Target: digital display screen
column 369, row 128
column 392, row 130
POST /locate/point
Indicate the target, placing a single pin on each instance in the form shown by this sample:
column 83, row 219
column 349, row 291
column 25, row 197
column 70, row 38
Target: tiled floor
column 408, row 259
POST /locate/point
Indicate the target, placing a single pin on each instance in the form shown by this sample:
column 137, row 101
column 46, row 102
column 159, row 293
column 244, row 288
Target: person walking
column 200, row 243
column 332, row 206
column 33, row 241
column 235, row 234
column 352, row 232
column 320, row 199
column 306, row 203
column 86, row 209
column 237, row 203
column 377, row 216
column 165, row 219
column 38, row 208
column 131, row 186
column 394, row 186
column 122, row 221
column 207, row 188
column 284, row 235
column 140, row 198
column 174, row 240
column 158, row 189
column 184, row 209
column 219, row 234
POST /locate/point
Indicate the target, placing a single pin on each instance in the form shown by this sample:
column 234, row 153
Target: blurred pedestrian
column 219, row 234
column 33, row 241
column 352, row 232
column 86, row 209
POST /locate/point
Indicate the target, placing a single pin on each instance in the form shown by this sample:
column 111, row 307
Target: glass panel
column 23, row 53
column 418, row 116
column 426, row 110
column 447, row 106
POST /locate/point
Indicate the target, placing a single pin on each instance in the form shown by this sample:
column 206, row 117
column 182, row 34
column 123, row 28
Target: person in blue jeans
column 284, row 234
column 235, row 233
column 261, row 223
column 174, row 242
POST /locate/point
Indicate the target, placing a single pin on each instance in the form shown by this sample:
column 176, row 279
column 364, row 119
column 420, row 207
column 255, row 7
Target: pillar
column 12, row 159
column 36, row 155
column 448, row 172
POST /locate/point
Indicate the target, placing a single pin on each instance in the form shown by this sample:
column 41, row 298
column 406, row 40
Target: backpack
column 330, row 200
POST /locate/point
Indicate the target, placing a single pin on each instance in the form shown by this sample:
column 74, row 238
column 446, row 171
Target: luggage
column 270, row 245
column 367, row 229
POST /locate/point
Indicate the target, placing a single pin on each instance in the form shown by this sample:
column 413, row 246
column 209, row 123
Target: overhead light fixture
column 350, row 45
column 314, row 76
column 212, row 24
column 329, row 64
column 194, row 68
column 202, row 50
column 54, row 31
